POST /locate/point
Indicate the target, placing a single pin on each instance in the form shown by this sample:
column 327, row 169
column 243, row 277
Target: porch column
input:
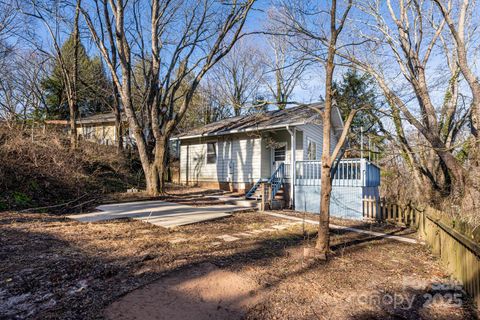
column 293, row 151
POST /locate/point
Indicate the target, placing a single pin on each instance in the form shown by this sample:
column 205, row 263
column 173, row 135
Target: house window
column 88, row 132
column 211, row 153
column 311, row 150
column 279, row 154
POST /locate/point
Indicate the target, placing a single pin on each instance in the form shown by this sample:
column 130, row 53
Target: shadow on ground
column 56, row 268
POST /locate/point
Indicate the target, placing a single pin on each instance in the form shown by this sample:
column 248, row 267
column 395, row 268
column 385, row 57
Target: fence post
column 363, row 170
column 363, row 207
column 266, row 195
column 382, row 210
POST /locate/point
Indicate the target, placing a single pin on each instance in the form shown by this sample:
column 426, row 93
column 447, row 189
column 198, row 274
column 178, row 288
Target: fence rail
column 457, row 252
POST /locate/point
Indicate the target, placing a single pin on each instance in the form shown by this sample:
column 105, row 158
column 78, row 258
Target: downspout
column 293, row 149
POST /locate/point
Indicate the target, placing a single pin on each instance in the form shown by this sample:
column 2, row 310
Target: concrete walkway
column 159, row 213
column 334, row 226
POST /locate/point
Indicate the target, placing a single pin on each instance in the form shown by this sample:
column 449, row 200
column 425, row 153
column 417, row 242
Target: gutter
column 216, row 134
column 279, row 126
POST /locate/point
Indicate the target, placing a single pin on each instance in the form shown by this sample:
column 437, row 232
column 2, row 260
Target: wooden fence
column 373, row 209
column 459, row 254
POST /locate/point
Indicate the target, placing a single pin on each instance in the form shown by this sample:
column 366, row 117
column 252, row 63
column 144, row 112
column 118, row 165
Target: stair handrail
column 276, row 172
column 253, row 189
column 276, row 180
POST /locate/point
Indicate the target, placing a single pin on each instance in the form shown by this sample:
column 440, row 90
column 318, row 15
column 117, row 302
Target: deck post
column 363, row 170
column 293, row 150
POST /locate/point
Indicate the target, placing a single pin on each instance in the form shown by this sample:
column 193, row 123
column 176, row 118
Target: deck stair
column 256, row 191
column 275, row 181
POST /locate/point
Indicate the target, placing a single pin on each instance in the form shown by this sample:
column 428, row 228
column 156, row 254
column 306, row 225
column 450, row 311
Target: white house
column 235, row 153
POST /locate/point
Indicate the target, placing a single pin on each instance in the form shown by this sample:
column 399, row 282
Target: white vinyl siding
column 314, row 133
column 242, row 153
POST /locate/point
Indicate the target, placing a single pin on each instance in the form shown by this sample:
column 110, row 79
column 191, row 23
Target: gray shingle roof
column 98, row 118
column 270, row 119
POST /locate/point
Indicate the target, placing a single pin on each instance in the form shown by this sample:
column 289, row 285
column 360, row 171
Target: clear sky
column 311, row 88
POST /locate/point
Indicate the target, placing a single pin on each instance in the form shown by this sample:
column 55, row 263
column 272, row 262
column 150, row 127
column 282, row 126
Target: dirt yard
column 54, row 268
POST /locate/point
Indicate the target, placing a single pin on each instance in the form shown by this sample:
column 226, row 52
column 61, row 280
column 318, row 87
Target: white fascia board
column 239, row 131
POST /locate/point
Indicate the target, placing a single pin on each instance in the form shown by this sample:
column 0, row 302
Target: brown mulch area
column 54, row 268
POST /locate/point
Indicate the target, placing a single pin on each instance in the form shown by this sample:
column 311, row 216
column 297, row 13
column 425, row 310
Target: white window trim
column 215, row 144
column 311, row 142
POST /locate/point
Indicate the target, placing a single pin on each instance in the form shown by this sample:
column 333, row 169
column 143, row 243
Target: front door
column 278, row 156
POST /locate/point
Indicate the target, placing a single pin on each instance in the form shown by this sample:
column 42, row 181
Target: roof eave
column 217, row 134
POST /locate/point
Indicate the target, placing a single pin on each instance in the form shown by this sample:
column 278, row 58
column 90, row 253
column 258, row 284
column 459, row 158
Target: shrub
column 44, row 171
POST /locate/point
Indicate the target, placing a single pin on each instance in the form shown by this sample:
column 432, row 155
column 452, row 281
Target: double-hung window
column 311, row 150
column 211, row 153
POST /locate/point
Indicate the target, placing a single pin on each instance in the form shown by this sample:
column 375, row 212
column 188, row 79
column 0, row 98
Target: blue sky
column 312, row 88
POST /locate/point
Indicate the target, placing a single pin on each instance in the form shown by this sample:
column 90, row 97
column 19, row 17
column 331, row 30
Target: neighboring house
column 99, row 128
column 240, row 153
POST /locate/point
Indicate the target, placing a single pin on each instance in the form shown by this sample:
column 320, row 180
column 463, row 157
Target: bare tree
column 106, row 29
column 284, row 65
column 21, row 97
column 179, row 43
column 238, row 77
column 404, row 31
column 9, row 25
column 8, row 28
column 319, row 42
column 52, row 19
column 461, row 33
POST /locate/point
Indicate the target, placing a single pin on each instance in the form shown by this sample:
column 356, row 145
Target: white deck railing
column 350, row 173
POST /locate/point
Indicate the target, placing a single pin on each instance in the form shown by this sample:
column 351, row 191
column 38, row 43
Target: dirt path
column 201, row 292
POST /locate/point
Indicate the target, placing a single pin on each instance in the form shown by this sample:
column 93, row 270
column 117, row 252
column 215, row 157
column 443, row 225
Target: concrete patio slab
column 160, row 213
column 228, row 238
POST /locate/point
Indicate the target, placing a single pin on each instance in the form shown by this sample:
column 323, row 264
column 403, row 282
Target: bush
column 43, row 171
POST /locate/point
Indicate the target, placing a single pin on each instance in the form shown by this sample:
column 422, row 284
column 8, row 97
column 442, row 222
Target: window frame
column 209, row 153
column 311, row 154
column 283, row 150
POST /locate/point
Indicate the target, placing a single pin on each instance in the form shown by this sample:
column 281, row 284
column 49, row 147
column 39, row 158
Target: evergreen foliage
column 356, row 90
column 93, row 88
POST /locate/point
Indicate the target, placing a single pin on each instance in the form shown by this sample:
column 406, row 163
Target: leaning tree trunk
column 118, row 120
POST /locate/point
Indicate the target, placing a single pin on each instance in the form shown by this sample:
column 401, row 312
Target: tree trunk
column 161, row 157
column 323, row 241
column 151, row 179
column 73, row 107
column 73, row 123
column 118, row 121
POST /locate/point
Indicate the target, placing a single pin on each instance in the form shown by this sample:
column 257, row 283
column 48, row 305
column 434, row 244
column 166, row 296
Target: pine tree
column 356, row 90
column 93, row 88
